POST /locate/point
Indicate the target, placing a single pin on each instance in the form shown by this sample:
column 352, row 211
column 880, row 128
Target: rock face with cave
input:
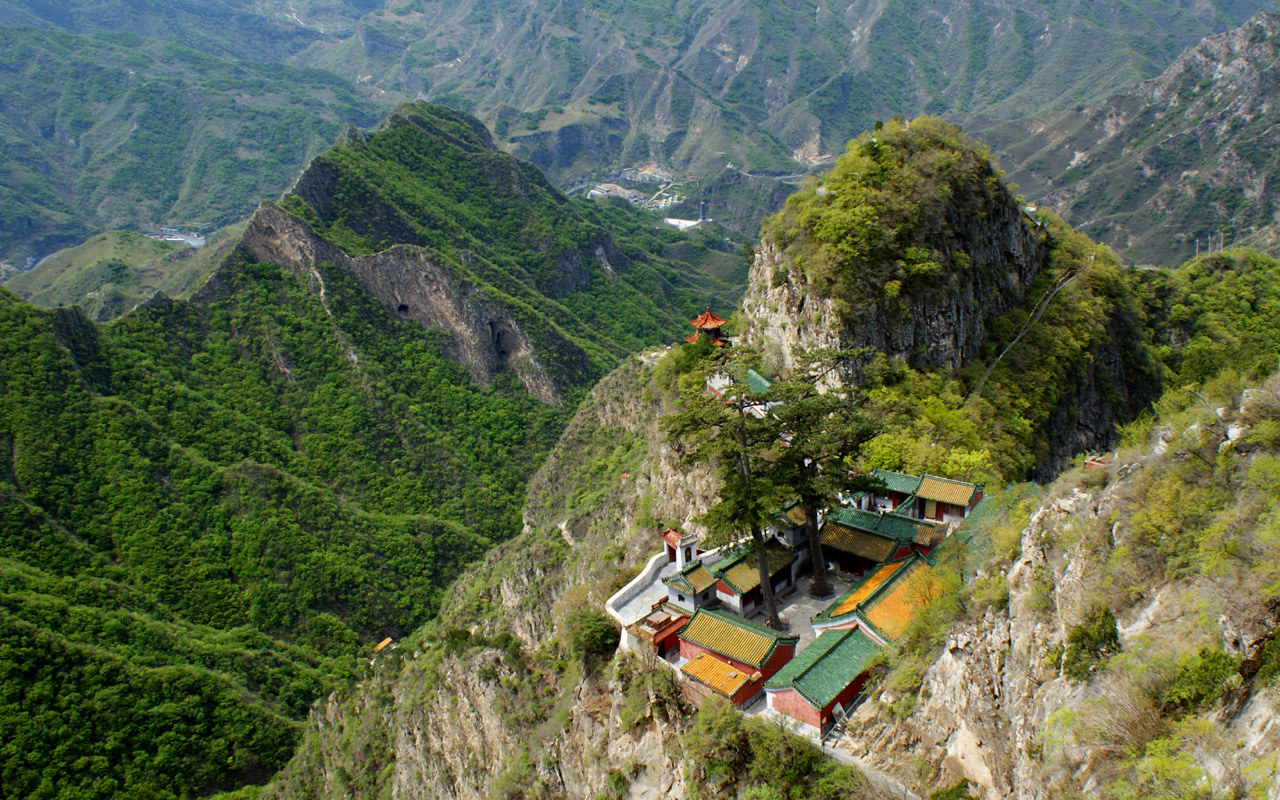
column 411, row 284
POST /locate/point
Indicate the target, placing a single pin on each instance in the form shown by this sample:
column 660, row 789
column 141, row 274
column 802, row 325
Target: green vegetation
column 1090, row 643
column 732, row 755
column 210, row 510
column 872, row 228
column 114, row 271
column 430, row 177
column 116, row 131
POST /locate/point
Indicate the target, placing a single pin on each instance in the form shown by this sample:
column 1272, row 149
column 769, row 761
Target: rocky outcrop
column 411, row 283
column 943, row 326
column 994, row 709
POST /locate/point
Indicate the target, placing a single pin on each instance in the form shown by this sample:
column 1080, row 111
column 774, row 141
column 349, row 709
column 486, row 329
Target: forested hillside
column 113, row 130
column 211, row 507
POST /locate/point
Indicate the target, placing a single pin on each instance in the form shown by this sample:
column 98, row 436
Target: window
column 688, row 553
column 680, row 597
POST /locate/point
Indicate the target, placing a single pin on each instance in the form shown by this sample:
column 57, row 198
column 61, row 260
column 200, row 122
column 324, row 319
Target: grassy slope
column 114, row 271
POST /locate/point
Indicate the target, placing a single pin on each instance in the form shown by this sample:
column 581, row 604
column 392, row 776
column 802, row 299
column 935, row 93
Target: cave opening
column 506, row 343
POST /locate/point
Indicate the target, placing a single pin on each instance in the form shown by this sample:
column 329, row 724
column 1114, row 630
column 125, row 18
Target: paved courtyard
column 642, row 604
column 798, row 608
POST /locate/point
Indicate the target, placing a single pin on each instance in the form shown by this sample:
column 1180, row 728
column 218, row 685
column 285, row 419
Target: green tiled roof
column 757, row 383
column 891, row 526
column 897, row 481
column 826, row 667
column 740, row 572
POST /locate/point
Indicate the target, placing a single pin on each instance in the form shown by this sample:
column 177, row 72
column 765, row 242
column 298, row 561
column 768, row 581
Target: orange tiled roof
column 875, row 581
column 707, row 321
column 895, row 609
column 944, row 490
column 672, row 536
column 694, row 338
column 721, row 677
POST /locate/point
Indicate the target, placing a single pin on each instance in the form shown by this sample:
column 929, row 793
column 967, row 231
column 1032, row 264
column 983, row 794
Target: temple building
column 819, row 685
column 729, row 656
column 709, row 324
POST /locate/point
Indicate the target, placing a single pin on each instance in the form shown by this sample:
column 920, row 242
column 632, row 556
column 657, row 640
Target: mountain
column 114, row 271
column 582, row 89
column 268, row 30
column 212, row 507
column 112, row 131
column 1178, row 163
column 1180, row 519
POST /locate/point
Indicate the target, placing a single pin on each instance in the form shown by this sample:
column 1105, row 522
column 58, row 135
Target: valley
column 597, row 400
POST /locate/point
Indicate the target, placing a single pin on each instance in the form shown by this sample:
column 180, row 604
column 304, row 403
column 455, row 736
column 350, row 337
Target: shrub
column 956, row 791
column 591, row 633
column 1200, row 679
column 1090, row 643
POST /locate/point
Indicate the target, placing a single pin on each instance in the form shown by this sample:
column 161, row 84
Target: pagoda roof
column 945, row 490
column 707, row 321
column 899, row 482
column 694, row 579
column 724, row 679
column 887, row 600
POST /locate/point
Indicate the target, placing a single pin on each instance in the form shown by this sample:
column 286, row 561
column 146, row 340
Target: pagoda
column 709, row 324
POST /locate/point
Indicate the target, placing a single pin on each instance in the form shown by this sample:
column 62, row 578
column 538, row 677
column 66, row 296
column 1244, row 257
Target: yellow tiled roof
column 943, row 490
column 718, row 675
column 872, row 583
column 694, row 579
column 796, row 515
column 894, row 610
column 857, row 543
column 732, row 636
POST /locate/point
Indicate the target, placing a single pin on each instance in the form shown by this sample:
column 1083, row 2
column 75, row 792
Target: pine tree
column 824, row 431
column 726, row 433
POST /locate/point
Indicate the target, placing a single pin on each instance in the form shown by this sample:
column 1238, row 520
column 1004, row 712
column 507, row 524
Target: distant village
column 174, row 235
column 693, row 608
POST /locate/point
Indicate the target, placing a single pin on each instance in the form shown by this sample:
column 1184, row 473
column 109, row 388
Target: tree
column 823, row 431
column 727, row 432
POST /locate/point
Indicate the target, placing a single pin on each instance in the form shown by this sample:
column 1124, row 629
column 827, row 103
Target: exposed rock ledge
column 410, row 285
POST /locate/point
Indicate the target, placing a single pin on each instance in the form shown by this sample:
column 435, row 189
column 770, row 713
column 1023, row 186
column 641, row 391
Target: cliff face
column 410, row 284
column 943, row 327
column 507, row 720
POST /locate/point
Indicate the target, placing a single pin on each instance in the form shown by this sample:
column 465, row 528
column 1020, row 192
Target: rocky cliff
column 996, row 708
column 410, row 283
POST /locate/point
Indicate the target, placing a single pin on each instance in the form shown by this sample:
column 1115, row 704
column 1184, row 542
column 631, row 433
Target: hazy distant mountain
column 1188, row 155
column 109, row 131
column 768, row 86
column 264, row 30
